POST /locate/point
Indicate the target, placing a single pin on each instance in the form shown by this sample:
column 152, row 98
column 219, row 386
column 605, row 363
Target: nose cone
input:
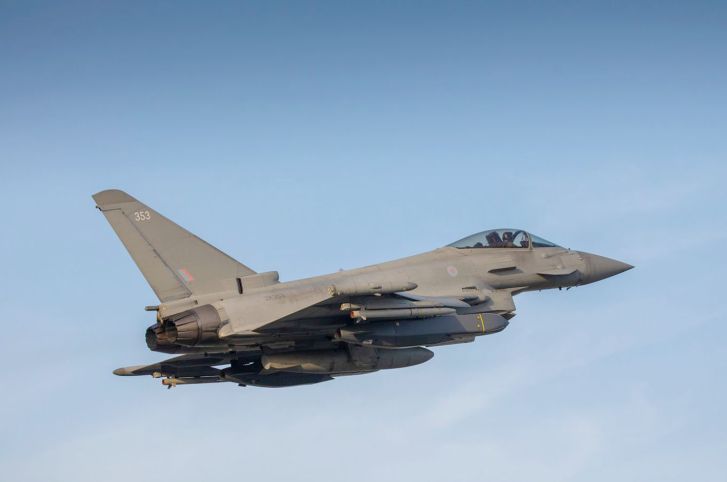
column 600, row 267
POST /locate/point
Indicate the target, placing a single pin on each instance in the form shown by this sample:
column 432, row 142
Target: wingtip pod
column 112, row 196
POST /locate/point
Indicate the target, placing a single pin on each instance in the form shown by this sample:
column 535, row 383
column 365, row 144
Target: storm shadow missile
column 354, row 360
column 431, row 331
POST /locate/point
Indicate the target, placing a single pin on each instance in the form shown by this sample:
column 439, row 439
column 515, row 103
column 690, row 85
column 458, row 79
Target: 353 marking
column 142, row 216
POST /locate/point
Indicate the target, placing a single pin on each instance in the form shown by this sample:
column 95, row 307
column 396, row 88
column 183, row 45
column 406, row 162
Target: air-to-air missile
column 228, row 323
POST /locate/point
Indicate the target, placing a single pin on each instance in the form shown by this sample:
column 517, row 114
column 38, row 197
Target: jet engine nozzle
column 191, row 328
column 158, row 340
column 195, row 326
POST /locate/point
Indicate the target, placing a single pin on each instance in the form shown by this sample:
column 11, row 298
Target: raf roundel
column 452, row 271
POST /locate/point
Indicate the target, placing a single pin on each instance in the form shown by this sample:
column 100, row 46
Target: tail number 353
column 142, row 216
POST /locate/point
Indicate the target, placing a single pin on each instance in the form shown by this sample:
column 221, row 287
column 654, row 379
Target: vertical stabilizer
column 175, row 262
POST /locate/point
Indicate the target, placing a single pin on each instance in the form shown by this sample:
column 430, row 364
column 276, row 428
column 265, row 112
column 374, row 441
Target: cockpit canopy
column 502, row 238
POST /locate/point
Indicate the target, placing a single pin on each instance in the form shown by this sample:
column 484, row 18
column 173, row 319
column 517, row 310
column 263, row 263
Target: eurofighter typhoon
column 227, row 323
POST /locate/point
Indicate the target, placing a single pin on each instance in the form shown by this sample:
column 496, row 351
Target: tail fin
column 175, row 262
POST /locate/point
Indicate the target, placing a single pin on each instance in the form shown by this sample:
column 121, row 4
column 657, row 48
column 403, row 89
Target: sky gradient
column 309, row 137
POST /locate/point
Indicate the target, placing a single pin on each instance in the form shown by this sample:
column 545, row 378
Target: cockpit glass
column 539, row 242
column 495, row 238
column 502, row 238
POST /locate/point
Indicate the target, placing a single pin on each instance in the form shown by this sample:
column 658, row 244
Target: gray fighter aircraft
column 228, row 323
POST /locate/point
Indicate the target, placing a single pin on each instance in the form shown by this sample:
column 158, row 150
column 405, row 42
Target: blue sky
column 308, row 137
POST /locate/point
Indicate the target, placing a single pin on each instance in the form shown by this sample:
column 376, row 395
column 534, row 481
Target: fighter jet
column 228, row 323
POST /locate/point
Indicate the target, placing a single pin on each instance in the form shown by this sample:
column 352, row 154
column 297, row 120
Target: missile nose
column 600, row 267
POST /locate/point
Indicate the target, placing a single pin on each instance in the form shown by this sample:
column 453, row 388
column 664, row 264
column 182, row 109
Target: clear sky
column 307, row 137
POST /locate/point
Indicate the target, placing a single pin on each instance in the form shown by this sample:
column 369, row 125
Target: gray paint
column 218, row 312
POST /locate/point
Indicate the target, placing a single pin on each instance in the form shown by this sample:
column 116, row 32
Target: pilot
column 507, row 240
column 493, row 240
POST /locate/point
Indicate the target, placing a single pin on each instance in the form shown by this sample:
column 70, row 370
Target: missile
column 433, row 331
column 401, row 314
column 335, row 362
column 173, row 382
column 360, row 288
